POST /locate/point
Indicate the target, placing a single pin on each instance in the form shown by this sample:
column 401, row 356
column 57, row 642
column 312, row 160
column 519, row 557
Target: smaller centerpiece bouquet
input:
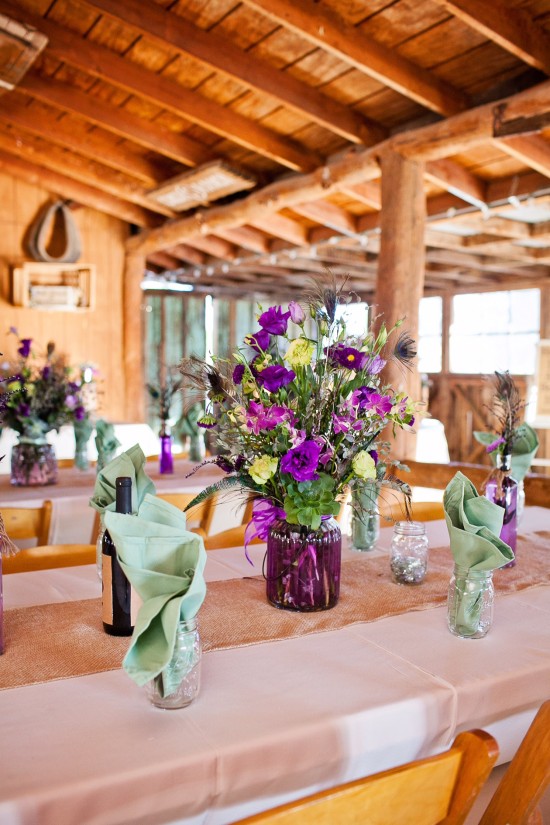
column 40, row 394
column 298, row 419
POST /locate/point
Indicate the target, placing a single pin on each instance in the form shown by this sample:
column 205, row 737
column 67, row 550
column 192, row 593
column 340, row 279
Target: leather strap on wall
column 41, row 230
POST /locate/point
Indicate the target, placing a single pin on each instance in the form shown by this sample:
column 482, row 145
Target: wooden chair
column 199, row 518
column 439, row 790
column 517, row 796
column 24, row 523
column 47, row 556
column 233, row 536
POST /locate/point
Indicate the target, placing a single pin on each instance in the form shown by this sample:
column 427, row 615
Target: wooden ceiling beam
column 246, row 237
column 325, row 29
column 81, row 169
column 368, row 193
column 457, row 180
column 164, row 260
column 219, row 52
column 512, row 28
column 217, row 247
column 329, row 215
column 124, row 124
column 90, row 144
column 187, row 253
column 73, row 190
column 435, row 141
column 533, row 151
column 281, row 227
column 101, row 62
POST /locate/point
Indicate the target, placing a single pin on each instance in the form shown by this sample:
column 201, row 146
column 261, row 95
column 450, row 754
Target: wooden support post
column 400, row 279
column 133, row 336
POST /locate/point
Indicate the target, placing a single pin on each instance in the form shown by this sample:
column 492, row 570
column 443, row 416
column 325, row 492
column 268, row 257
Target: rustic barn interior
column 404, row 145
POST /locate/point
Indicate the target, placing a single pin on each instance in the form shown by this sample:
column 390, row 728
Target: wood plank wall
column 94, row 336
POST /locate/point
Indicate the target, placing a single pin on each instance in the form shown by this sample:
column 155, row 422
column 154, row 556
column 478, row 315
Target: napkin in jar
column 130, row 463
column 164, row 562
column 474, row 524
column 106, row 443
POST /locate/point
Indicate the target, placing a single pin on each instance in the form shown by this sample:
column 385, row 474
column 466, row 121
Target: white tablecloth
column 273, row 721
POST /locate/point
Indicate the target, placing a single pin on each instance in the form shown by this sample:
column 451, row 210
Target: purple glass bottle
column 303, row 565
column 505, row 494
column 166, row 461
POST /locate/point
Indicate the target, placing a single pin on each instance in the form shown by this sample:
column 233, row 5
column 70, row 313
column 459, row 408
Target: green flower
column 300, row 352
column 363, row 465
column 263, row 468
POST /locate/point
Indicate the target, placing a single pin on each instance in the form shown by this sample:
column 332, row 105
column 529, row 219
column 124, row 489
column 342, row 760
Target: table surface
column 272, row 721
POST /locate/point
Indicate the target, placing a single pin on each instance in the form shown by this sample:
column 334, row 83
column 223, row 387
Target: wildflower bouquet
column 40, row 393
column 162, row 396
column 298, row 419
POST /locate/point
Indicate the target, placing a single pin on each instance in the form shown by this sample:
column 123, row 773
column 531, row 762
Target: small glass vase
column 365, row 520
column 166, row 459
column 470, row 602
column 303, row 565
column 197, row 449
column 409, row 552
column 502, row 489
column 179, row 683
column 33, row 465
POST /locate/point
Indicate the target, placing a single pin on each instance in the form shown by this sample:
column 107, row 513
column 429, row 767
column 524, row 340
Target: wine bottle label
column 107, row 592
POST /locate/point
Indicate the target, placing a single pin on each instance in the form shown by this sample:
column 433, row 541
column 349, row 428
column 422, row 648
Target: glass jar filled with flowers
column 41, row 394
column 298, row 423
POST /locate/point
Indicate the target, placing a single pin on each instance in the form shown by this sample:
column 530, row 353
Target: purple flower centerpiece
column 162, row 397
column 39, row 394
column 297, row 414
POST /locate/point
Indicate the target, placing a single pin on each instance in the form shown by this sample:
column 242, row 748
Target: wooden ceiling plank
column 325, row 29
column 368, row 193
column 164, row 260
column 222, row 54
column 246, row 237
column 533, row 151
column 281, row 227
column 217, row 247
column 122, row 123
column 329, row 215
column 512, row 28
column 71, row 189
column 83, row 170
column 103, row 63
column 187, row 253
column 90, row 144
column 457, row 180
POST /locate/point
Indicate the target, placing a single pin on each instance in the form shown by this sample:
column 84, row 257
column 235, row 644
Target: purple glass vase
column 1, row 610
column 166, row 461
column 503, row 490
column 303, row 565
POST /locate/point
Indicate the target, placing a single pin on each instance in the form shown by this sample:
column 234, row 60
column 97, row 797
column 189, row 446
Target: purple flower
column 266, row 418
column 259, row 341
column 70, row 402
column 494, row 444
column 368, row 399
column 23, row 410
column 348, row 357
column 46, row 373
column 80, row 413
column 275, row 377
column 25, row 347
column 374, row 365
column 238, row 373
column 274, row 320
column 340, row 423
column 301, row 462
column 374, row 455
column 224, row 464
column 297, row 314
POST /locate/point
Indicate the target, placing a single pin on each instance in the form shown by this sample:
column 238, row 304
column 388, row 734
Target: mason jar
column 178, row 684
column 409, row 552
column 470, row 602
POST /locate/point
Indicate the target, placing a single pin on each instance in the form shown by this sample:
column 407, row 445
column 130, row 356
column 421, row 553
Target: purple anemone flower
column 25, row 347
column 259, row 341
column 301, row 462
column 238, row 373
column 275, row 377
column 274, row 320
column 348, row 357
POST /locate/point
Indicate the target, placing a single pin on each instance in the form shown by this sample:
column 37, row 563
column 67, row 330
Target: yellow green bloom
column 300, row 352
column 263, row 468
column 363, row 465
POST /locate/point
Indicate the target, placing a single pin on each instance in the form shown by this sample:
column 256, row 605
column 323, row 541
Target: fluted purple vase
column 166, row 461
column 303, row 566
column 505, row 495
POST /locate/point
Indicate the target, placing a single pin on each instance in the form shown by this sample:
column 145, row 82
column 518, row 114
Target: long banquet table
column 273, row 720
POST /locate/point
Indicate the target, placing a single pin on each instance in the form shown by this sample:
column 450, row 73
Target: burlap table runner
column 59, row 641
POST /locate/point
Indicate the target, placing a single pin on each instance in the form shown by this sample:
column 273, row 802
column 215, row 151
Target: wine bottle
column 116, row 590
column 502, row 489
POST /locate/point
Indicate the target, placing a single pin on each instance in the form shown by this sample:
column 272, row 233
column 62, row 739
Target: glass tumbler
column 178, row 684
column 409, row 552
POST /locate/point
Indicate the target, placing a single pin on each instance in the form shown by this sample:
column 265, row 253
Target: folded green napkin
column 523, row 450
column 474, row 524
column 106, row 443
column 164, row 562
column 130, row 463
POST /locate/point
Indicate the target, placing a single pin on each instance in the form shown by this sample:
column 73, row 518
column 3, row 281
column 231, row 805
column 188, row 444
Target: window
column 495, row 331
column 430, row 324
